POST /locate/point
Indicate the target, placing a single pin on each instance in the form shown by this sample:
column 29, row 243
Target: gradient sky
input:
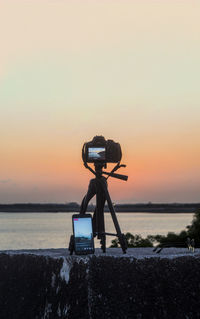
column 128, row 70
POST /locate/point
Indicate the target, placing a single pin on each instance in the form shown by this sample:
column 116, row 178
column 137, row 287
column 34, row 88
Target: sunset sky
column 128, row 70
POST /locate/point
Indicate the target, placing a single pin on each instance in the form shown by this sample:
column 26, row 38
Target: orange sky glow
column 128, row 70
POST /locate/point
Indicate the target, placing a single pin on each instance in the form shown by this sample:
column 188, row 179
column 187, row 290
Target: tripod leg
column 71, row 245
column 122, row 238
column 94, row 223
column 99, row 215
column 103, row 242
column 90, row 193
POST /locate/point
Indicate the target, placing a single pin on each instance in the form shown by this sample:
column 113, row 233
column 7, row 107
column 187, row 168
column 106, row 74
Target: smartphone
column 83, row 234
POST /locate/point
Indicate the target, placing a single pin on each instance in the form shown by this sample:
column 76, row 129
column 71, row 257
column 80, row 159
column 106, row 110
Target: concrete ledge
column 52, row 284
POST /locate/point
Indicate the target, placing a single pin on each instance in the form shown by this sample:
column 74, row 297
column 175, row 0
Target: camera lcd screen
column 97, row 153
column 83, row 234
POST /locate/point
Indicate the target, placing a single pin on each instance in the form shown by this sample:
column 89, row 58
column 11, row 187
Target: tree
column 193, row 230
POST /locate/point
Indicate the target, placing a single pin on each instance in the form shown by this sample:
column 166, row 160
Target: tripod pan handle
column 119, row 176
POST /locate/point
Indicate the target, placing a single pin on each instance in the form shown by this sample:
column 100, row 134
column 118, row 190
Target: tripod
column 98, row 186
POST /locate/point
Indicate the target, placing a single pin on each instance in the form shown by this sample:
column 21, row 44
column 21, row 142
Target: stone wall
column 34, row 286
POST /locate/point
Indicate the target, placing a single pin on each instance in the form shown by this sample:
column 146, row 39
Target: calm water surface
column 53, row 230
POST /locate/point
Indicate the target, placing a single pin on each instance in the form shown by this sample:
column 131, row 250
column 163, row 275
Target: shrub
column 134, row 241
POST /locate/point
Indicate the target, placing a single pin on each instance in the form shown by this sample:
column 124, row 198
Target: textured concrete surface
column 138, row 253
column 140, row 284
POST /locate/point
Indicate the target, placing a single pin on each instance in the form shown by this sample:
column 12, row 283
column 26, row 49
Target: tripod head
column 98, row 172
column 100, row 151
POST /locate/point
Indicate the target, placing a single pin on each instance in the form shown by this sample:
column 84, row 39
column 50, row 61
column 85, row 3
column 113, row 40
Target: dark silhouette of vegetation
column 134, row 241
column 192, row 231
column 75, row 207
column 170, row 240
column 38, row 207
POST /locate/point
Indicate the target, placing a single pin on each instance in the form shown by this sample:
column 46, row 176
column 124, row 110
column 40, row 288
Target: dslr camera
column 100, row 150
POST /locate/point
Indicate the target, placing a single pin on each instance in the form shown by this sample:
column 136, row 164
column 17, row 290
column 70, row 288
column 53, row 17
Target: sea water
column 53, row 230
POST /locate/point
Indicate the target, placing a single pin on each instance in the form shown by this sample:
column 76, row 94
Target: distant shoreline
column 122, row 208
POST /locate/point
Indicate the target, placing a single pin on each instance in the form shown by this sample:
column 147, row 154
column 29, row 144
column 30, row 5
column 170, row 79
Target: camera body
column 100, row 150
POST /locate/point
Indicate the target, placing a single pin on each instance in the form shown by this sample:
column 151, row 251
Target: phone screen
column 83, row 234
